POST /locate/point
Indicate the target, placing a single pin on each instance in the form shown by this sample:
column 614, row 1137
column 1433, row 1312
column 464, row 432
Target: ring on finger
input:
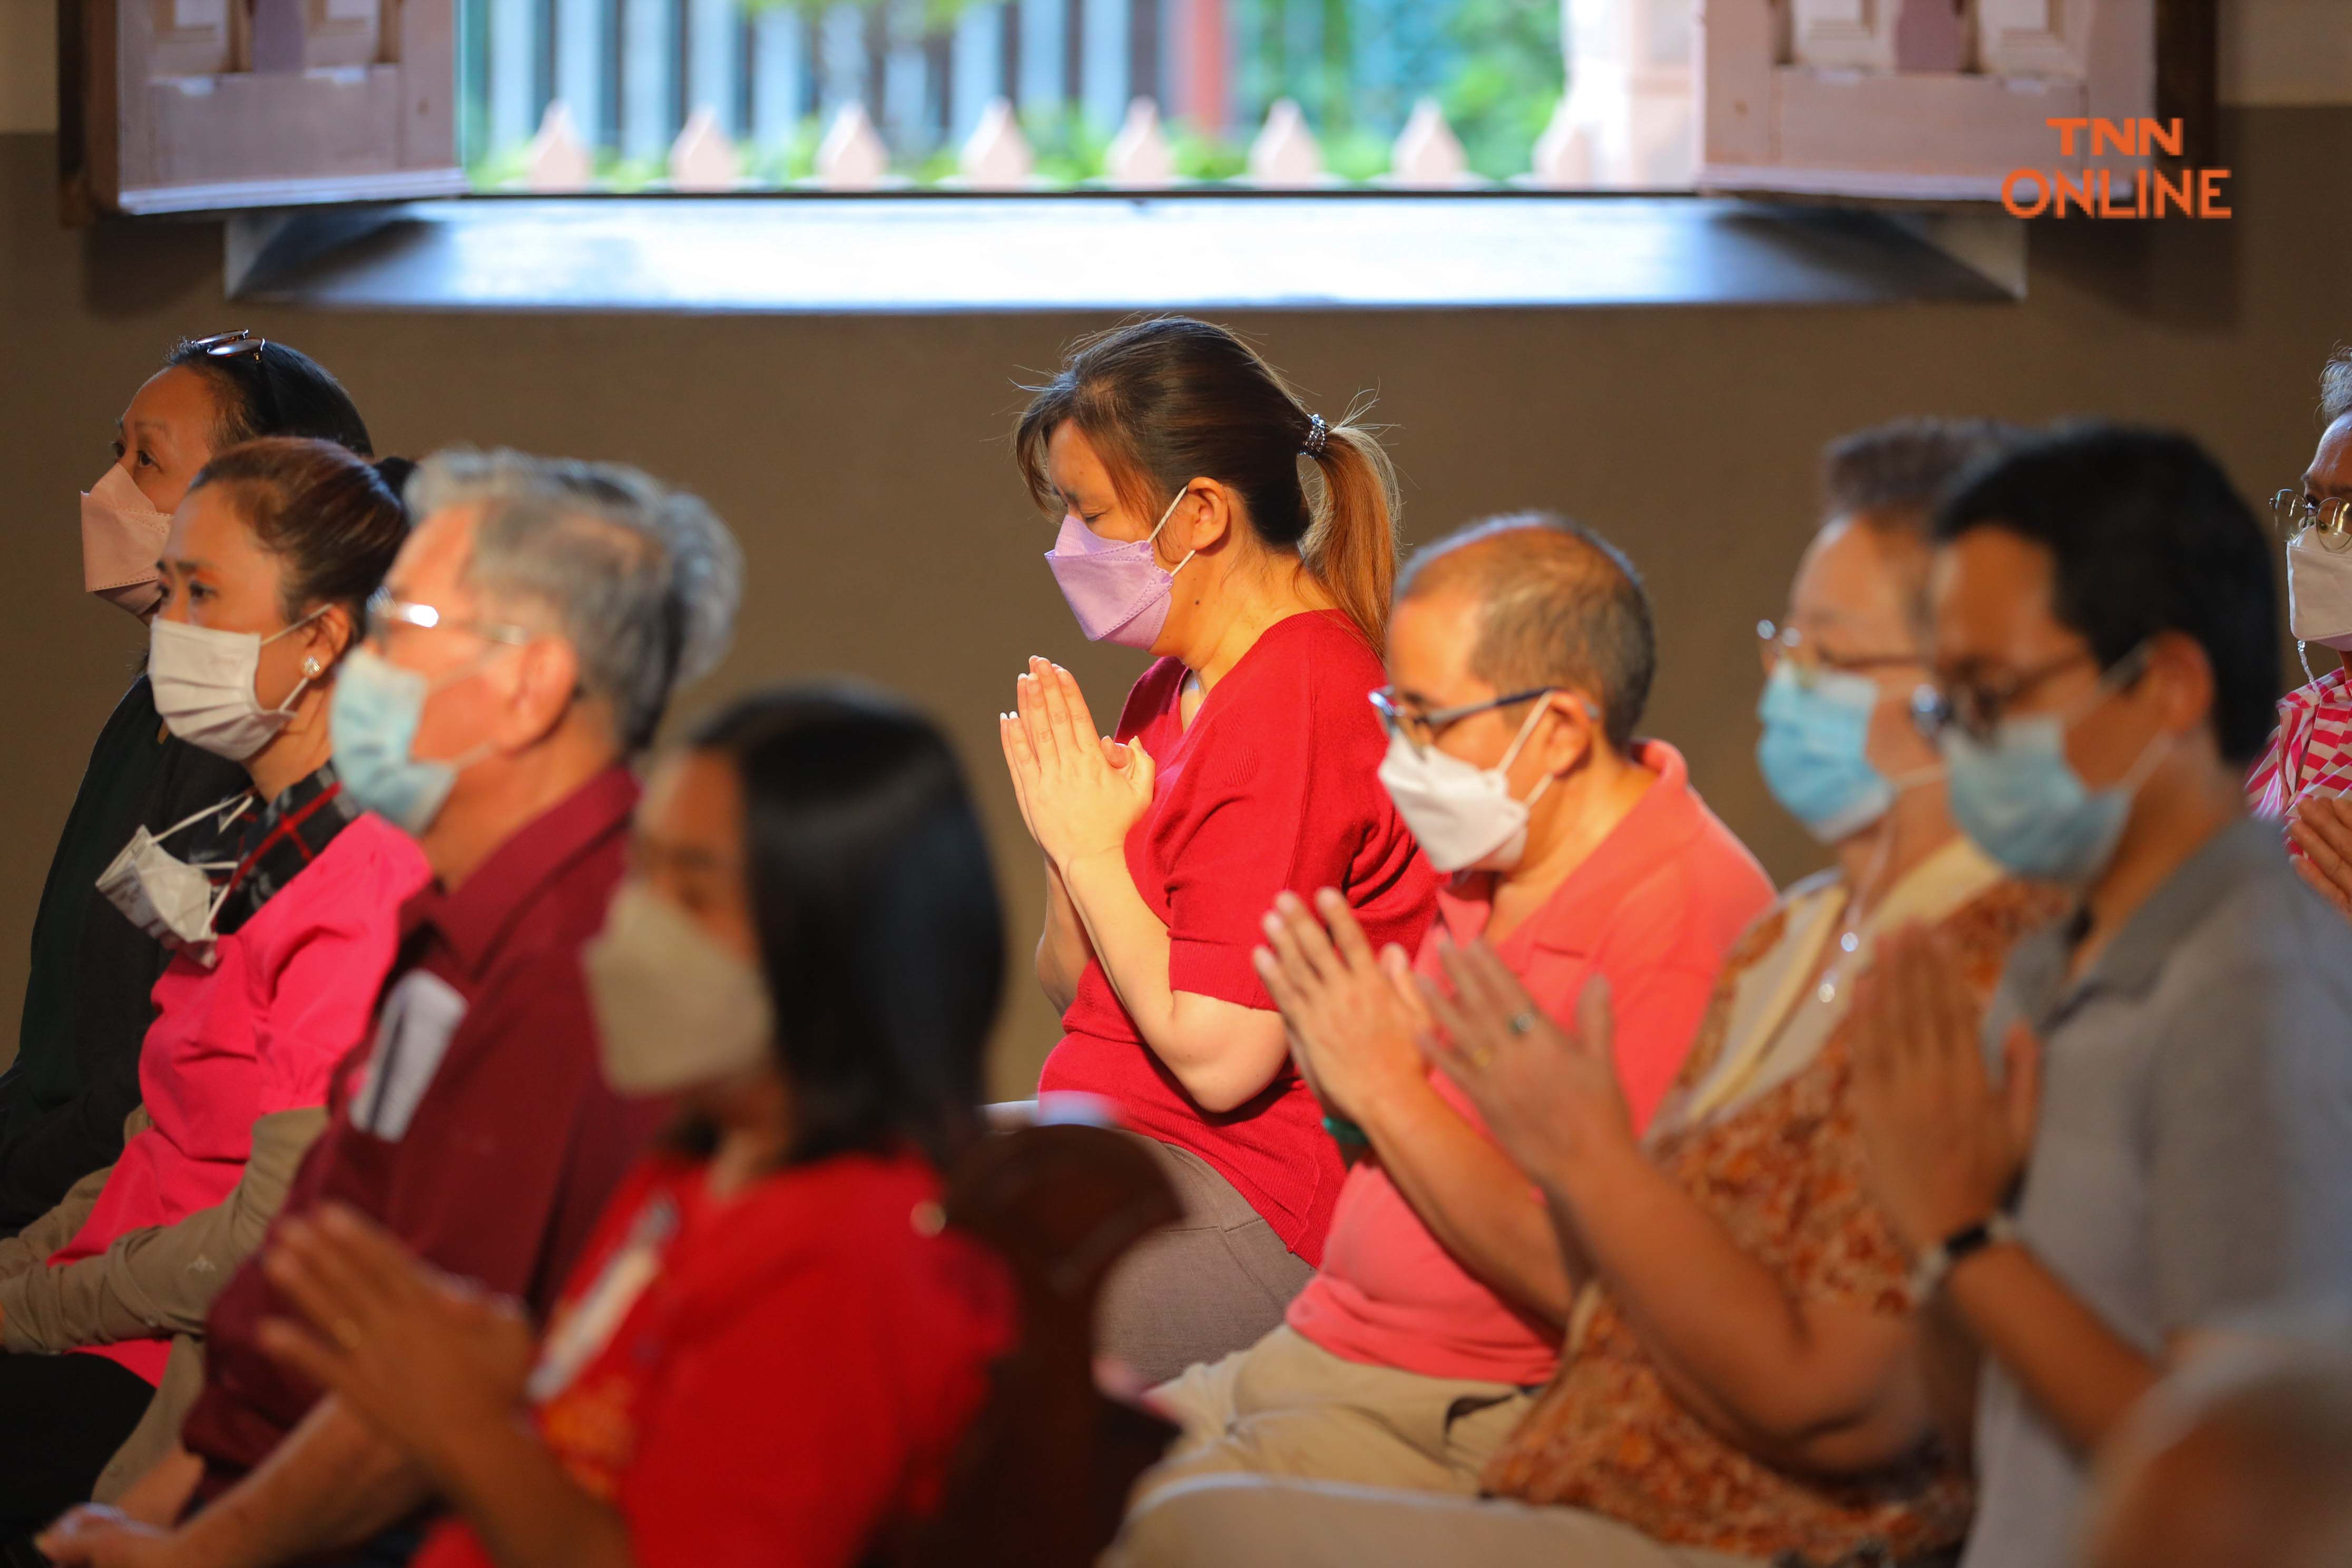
column 1521, row 1022
column 1479, row 1056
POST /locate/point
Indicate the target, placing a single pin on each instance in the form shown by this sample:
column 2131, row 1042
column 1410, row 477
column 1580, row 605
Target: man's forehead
column 1990, row 590
column 434, row 557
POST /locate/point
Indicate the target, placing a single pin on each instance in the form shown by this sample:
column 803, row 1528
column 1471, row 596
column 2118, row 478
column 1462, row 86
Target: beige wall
column 863, row 462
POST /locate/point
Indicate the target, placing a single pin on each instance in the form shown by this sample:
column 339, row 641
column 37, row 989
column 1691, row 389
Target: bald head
column 2257, row 1475
column 1557, row 607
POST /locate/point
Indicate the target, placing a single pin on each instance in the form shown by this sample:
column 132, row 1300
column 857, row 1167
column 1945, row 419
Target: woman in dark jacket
column 87, row 1007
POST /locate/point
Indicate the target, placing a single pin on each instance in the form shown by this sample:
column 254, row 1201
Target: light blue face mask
column 1814, row 750
column 373, row 717
column 2021, row 802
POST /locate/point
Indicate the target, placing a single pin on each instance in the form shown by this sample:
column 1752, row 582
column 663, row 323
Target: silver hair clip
column 1318, row 435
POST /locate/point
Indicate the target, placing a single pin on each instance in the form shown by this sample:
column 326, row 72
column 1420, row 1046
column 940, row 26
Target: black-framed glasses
column 1808, row 659
column 385, row 612
column 1420, row 730
column 1978, row 708
column 2327, row 522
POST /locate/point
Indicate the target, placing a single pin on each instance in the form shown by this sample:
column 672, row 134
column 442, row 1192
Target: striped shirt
column 2312, row 749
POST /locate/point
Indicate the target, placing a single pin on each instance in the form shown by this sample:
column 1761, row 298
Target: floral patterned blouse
column 1779, row 1162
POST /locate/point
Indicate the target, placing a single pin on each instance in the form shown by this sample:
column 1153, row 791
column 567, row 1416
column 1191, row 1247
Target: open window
column 186, row 105
column 1943, row 100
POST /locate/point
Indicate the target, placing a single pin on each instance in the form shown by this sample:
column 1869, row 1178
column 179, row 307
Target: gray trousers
column 1215, row 1282
column 1259, row 1521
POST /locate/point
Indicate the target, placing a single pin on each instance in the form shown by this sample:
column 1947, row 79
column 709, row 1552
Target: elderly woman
column 281, row 904
column 87, row 1006
column 769, row 1350
column 1245, row 763
column 2303, row 774
column 1742, row 1377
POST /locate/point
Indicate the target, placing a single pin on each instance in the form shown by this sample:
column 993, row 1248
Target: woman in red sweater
column 770, row 1352
column 1208, row 518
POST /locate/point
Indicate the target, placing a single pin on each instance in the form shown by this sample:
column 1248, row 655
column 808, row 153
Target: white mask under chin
column 1464, row 816
column 2319, row 593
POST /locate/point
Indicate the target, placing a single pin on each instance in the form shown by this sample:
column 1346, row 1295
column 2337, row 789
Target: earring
column 313, row 668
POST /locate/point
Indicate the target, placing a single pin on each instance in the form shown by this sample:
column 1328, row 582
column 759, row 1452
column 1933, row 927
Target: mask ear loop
column 311, row 668
column 1527, row 729
column 1154, row 539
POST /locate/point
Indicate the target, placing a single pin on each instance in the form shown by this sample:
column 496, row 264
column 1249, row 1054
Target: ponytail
column 1352, row 546
column 1171, row 399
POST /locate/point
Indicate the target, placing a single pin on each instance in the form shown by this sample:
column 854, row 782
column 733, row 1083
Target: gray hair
column 1558, row 607
column 2335, row 385
column 642, row 579
column 1899, row 471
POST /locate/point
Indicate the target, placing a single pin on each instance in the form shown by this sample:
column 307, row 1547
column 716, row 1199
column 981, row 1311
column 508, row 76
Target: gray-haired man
column 527, row 641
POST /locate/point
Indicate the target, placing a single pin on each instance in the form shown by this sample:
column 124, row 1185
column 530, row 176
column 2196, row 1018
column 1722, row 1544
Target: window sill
column 933, row 253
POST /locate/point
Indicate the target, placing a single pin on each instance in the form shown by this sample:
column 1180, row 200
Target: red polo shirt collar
column 474, row 920
column 1662, row 822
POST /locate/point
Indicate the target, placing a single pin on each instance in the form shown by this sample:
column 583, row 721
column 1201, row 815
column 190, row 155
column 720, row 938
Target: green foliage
column 1207, row 158
column 1068, row 148
column 793, row 160
column 1357, row 154
column 1505, row 79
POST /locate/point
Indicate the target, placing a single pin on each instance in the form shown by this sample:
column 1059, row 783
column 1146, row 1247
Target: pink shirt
column 1653, row 910
column 2310, row 751
column 289, row 994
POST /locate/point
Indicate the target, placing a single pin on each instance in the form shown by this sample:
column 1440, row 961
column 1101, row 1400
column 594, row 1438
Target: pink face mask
column 1118, row 591
column 121, row 535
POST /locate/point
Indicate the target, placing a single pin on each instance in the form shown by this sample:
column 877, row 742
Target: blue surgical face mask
column 1813, row 750
column 373, row 717
column 2021, row 802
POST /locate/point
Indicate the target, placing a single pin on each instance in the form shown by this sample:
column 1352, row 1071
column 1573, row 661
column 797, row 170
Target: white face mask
column 673, row 1008
column 1463, row 816
column 2319, row 591
column 171, row 900
column 204, row 686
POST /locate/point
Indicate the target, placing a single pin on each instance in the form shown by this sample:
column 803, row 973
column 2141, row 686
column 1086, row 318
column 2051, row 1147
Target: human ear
column 1206, row 515
column 2184, row 678
column 1571, row 735
column 330, row 636
column 545, row 680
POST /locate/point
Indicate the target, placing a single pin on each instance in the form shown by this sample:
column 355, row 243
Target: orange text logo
column 2147, row 193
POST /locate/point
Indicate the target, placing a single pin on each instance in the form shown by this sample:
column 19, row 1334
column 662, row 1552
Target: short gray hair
column 1558, row 607
column 2335, row 385
column 1898, row 471
column 642, row 579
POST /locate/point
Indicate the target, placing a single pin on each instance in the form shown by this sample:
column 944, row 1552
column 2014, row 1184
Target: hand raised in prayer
column 1944, row 1143
column 1079, row 790
column 2320, row 824
column 419, row 1354
column 1549, row 1095
column 1353, row 1015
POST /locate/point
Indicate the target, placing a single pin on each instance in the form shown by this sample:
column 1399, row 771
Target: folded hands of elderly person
column 1549, row 1095
column 2320, row 824
column 1945, row 1144
column 1353, row 1015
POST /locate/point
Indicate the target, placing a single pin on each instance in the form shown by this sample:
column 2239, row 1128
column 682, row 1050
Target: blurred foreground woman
column 771, row 1350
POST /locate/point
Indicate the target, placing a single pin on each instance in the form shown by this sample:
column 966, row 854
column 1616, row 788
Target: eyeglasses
column 384, row 612
column 1777, row 643
column 1420, row 730
column 2295, row 515
column 1978, row 708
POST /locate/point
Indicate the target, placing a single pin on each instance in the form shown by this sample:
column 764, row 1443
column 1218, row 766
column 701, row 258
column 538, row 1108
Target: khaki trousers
column 1258, row 1522
column 1287, row 1407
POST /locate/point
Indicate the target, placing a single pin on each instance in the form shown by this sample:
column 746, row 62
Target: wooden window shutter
column 1942, row 100
column 198, row 105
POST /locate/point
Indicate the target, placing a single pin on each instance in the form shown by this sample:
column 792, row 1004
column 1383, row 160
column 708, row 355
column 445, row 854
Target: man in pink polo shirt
column 1521, row 656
